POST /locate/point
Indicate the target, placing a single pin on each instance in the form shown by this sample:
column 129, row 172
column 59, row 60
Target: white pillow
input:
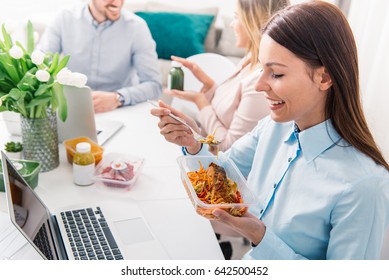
column 135, row 7
column 227, row 43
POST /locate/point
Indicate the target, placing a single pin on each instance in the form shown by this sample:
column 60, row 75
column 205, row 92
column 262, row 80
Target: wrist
column 192, row 150
column 119, row 99
column 258, row 236
column 201, row 101
column 207, row 86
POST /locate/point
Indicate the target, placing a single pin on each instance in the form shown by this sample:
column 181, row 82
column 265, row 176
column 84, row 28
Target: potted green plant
column 13, row 149
column 31, row 84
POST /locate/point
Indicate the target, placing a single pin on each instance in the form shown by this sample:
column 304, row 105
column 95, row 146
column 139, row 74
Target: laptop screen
column 27, row 211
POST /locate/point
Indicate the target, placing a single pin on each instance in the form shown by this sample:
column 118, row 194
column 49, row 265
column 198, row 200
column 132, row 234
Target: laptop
column 111, row 230
column 81, row 120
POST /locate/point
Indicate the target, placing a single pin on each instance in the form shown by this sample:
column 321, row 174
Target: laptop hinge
column 58, row 241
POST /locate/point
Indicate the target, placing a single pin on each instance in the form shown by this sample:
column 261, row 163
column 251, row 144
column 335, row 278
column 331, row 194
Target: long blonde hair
column 254, row 14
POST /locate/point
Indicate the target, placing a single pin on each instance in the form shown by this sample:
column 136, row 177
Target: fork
column 196, row 136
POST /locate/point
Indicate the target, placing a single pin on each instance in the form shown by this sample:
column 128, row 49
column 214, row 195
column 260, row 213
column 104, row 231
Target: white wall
column 21, row 10
column 18, row 12
column 44, row 10
column 370, row 23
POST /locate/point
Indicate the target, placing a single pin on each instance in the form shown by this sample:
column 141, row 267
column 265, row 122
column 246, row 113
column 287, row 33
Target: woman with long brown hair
column 321, row 182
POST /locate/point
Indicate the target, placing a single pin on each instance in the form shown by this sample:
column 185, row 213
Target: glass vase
column 40, row 140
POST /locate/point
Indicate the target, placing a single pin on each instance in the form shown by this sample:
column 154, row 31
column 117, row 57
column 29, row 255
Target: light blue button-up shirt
column 117, row 56
column 319, row 197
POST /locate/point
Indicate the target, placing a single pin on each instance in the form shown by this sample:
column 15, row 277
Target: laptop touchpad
column 133, row 231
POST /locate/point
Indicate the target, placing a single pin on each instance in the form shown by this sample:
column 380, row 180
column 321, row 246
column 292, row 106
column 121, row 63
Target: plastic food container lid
column 118, row 171
column 29, row 170
column 70, row 145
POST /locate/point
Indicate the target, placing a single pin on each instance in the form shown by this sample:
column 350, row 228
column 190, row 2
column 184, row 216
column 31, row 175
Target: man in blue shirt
column 112, row 47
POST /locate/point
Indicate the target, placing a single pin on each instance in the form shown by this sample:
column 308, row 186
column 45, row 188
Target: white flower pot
column 13, row 155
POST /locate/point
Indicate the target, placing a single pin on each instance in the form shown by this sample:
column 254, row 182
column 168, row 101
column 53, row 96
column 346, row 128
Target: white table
column 158, row 190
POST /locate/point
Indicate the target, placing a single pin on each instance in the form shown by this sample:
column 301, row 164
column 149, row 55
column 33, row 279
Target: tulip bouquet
column 31, row 81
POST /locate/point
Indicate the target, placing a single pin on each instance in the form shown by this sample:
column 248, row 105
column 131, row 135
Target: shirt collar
column 86, row 14
column 314, row 140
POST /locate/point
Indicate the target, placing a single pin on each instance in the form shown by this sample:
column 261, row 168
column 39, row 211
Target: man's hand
column 104, row 101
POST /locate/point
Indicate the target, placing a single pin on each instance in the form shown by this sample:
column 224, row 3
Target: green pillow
column 177, row 33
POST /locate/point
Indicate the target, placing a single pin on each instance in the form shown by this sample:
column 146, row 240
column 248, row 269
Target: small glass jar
column 83, row 165
column 176, row 76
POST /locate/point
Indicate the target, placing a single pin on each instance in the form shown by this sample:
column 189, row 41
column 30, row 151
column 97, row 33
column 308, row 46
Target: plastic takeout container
column 70, row 145
column 192, row 163
column 118, row 171
column 28, row 169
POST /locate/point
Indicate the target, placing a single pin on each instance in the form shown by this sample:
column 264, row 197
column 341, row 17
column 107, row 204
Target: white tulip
column 16, row 52
column 78, row 79
column 42, row 75
column 63, row 76
column 37, row 57
column 10, row 26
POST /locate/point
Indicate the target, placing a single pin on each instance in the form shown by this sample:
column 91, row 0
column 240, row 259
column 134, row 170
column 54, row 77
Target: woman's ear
column 323, row 78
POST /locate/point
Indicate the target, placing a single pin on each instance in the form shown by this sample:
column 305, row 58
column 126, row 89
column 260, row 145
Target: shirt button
column 275, row 185
column 289, row 159
column 261, row 211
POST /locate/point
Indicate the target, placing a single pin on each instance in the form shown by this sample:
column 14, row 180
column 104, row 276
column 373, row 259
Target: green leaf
column 17, row 64
column 54, row 63
column 6, row 85
column 40, row 100
column 16, row 94
column 2, row 46
column 62, row 64
column 42, row 89
column 7, row 38
column 13, row 147
column 30, row 38
column 29, row 81
column 9, row 68
column 21, row 46
column 61, row 101
column 22, row 62
column 24, row 66
column 2, row 109
column 29, row 62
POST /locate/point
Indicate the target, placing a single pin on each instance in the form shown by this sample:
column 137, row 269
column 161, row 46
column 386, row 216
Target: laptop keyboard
column 41, row 241
column 89, row 235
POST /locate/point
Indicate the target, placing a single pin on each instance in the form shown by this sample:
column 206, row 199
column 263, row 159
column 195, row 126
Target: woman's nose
column 261, row 85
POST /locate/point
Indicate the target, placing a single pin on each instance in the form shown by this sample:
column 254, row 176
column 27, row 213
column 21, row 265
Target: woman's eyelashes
column 277, row 76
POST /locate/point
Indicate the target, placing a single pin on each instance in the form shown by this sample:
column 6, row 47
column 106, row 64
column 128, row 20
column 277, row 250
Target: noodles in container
column 213, row 182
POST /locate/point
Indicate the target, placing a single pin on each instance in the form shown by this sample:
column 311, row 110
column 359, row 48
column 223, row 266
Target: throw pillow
column 182, row 7
column 176, row 33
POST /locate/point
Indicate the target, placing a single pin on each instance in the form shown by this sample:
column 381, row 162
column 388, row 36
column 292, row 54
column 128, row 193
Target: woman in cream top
column 233, row 108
